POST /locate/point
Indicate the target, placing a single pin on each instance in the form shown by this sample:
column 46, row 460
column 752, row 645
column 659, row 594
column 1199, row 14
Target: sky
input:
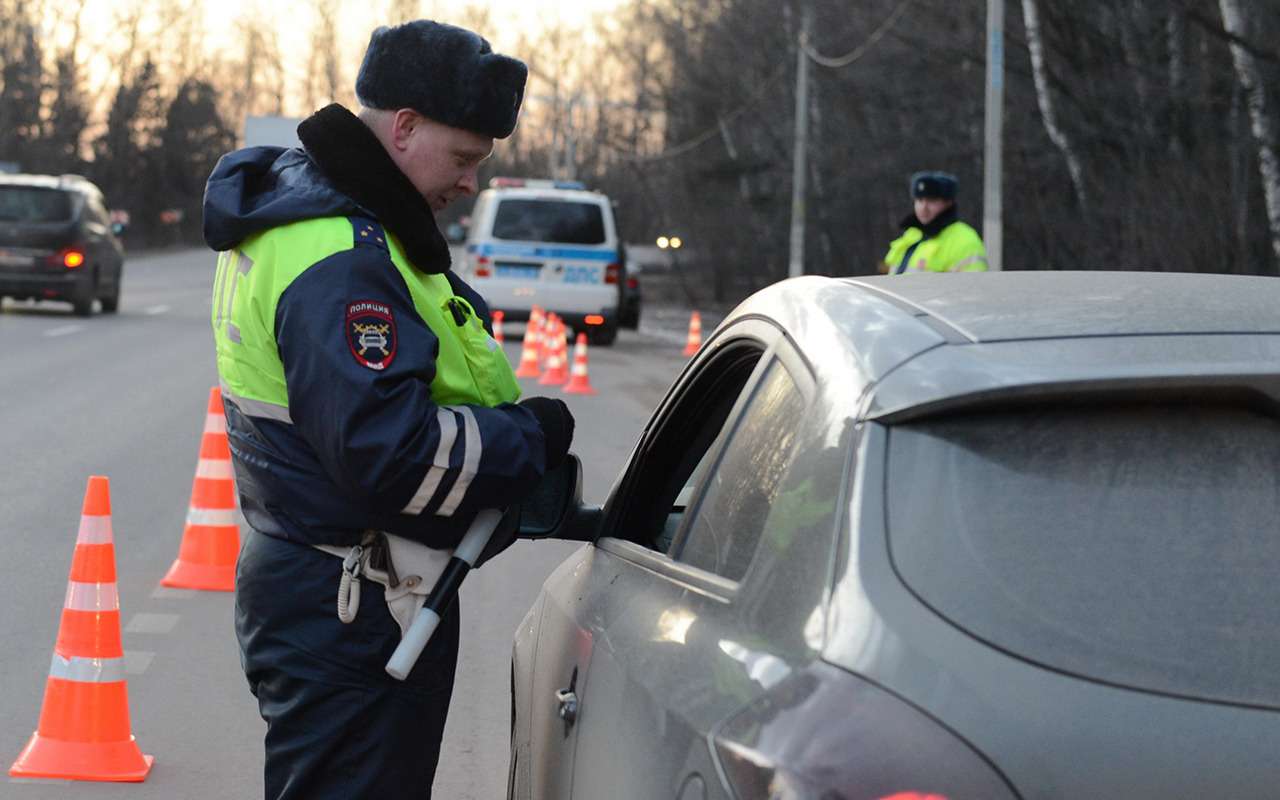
column 293, row 20
column 359, row 17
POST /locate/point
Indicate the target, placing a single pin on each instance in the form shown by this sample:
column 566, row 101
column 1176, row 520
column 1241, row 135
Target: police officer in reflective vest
column 364, row 396
column 933, row 237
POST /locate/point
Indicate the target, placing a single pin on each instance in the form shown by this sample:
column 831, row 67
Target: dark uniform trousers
column 337, row 725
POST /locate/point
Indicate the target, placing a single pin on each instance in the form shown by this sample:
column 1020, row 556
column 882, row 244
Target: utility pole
column 801, row 156
column 992, row 209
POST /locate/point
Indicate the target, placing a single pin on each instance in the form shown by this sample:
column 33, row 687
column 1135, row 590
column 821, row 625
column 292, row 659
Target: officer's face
column 441, row 162
column 927, row 208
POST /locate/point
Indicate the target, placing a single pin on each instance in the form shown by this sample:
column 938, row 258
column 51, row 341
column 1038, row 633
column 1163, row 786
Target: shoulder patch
column 371, row 333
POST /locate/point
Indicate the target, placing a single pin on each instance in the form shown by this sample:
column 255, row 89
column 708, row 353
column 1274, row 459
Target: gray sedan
column 968, row 536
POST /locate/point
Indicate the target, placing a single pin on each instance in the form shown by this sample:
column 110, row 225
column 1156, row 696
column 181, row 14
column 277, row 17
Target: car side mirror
column 555, row 509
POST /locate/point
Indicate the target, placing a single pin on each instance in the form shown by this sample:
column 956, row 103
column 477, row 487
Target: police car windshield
column 34, row 204
column 561, row 221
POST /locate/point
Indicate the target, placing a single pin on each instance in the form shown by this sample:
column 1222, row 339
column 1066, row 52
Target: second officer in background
column 933, row 237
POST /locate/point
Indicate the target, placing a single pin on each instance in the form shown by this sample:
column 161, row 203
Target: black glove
column 557, row 426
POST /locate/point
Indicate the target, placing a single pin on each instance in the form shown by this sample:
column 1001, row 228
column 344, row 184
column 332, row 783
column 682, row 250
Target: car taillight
column 482, row 267
column 783, row 745
column 633, row 283
column 70, row 258
column 593, row 319
column 612, row 272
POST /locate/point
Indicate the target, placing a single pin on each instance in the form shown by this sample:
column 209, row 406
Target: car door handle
column 567, row 705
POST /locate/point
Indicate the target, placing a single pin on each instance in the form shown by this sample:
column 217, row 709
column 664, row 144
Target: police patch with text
column 371, row 334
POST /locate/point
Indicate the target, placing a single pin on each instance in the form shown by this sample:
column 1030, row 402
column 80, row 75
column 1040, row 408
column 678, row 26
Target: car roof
column 46, row 181
column 547, row 193
column 911, row 345
column 990, row 307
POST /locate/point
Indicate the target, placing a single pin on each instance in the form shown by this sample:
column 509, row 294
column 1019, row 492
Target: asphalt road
column 124, row 396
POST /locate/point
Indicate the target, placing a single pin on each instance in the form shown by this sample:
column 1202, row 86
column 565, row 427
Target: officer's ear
column 405, row 123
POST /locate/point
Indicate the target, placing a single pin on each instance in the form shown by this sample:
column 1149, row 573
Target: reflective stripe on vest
column 257, row 408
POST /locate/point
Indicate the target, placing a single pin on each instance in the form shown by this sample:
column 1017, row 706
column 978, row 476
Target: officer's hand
column 503, row 536
column 557, row 426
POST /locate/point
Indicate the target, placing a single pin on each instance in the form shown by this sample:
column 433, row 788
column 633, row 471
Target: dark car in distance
column 57, row 242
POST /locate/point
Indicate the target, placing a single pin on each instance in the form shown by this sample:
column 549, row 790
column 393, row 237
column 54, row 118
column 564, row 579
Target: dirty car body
column 1000, row 535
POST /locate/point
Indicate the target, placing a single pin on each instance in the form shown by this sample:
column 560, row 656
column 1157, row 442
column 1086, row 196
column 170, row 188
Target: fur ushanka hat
column 445, row 73
column 941, row 185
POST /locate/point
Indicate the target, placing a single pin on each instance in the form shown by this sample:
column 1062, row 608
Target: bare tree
column 401, row 11
column 23, row 79
column 324, row 81
column 1044, row 99
column 1236, row 22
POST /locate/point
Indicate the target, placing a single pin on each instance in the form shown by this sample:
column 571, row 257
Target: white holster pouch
column 409, row 571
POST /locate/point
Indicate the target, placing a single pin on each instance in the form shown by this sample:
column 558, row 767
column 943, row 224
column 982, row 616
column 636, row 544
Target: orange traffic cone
column 528, row 367
column 84, row 732
column 557, row 371
column 579, row 383
column 211, row 538
column 537, row 323
column 547, row 338
column 694, row 341
column 498, row 316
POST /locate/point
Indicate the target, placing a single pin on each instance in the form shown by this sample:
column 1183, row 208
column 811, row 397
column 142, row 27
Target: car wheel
column 604, row 335
column 111, row 302
column 82, row 300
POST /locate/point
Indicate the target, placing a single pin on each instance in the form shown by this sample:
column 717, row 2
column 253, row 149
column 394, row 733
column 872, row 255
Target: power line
column 835, row 63
column 859, row 51
column 710, row 133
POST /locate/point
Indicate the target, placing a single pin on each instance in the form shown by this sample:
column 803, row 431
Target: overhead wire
column 833, row 63
column 710, row 133
column 859, row 51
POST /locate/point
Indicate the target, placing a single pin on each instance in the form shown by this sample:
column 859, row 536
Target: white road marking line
column 46, row 781
column 153, row 310
column 137, row 661
column 64, row 330
column 165, row 593
column 151, row 623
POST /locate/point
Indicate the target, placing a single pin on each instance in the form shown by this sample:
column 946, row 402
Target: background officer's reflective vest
column 470, row 367
column 956, row 248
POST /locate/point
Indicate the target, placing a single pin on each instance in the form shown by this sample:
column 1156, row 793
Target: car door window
column 737, row 492
column 648, row 504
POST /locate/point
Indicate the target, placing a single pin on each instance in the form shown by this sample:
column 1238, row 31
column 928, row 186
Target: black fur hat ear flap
column 445, row 73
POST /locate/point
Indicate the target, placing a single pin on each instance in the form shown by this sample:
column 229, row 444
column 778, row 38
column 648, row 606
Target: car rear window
column 1137, row 545
column 561, row 221
column 34, row 204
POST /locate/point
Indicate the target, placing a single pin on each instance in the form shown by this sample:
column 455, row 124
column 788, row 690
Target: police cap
column 941, row 185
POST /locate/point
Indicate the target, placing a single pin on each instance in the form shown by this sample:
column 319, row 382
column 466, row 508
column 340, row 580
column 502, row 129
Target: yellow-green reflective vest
column 470, row 367
column 956, row 248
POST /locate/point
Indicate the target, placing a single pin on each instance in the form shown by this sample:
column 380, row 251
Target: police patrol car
column 547, row 243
